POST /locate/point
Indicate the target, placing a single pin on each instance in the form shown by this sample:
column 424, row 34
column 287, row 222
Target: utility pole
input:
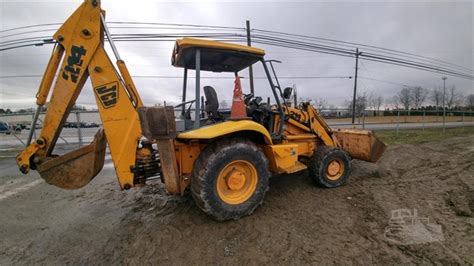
column 355, row 85
column 249, row 43
column 444, row 103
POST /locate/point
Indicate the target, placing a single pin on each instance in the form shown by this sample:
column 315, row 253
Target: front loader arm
column 320, row 127
column 80, row 45
column 358, row 143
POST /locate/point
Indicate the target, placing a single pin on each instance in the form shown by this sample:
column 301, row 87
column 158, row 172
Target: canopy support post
column 197, row 112
column 185, row 81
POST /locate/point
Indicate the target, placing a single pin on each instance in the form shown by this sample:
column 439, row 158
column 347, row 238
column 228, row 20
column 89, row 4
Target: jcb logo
column 74, row 63
column 107, row 94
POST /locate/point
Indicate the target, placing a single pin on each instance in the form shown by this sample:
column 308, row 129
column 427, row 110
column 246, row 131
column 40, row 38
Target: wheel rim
column 335, row 169
column 237, row 182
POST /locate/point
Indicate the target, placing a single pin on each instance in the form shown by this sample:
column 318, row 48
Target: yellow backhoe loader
column 225, row 160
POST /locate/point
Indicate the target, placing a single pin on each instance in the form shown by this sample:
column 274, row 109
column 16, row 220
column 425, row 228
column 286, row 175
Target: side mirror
column 287, row 92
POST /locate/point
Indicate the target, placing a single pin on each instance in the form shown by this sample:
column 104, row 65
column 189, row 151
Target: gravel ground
column 298, row 223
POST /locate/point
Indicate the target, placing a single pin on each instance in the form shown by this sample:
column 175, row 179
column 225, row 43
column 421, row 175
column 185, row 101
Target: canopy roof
column 215, row 56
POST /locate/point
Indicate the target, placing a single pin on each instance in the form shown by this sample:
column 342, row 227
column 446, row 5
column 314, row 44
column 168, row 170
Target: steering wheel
column 248, row 98
column 184, row 103
column 187, row 113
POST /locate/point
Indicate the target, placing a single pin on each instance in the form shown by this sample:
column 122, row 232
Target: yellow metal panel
column 72, row 75
column 295, row 168
column 267, row 149
column 186, row 155
column 297, row 124
column 295, row 112
column 301, row 137
column 120, row 120
column 283, row 158
column 285, row 150
column 225, row 128
column 306, row 147
column 319, row 126
column 200, row 43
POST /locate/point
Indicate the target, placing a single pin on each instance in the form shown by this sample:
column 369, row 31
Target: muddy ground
column 298, row 222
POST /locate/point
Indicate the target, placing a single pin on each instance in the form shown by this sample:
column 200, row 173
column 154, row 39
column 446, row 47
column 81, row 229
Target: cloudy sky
column 441, row 30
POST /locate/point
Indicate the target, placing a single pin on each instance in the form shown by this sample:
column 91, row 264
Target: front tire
column 330, row 167
column 229, row 179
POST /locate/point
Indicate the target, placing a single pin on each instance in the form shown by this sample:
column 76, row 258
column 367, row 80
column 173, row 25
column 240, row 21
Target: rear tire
column 229, row 179
column 330, row 167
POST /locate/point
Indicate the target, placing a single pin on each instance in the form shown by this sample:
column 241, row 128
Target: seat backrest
column 212, row 102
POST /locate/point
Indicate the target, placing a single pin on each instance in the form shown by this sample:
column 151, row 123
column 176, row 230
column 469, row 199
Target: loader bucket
column 77, row 168
column 360, row 144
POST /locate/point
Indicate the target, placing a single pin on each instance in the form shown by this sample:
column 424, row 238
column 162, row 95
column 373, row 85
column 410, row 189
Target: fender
column 226, row 128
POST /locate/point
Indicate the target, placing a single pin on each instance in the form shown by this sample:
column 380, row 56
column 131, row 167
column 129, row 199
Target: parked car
column 5, row 128
column 17, row 129
column 69, row 124
column 81, row 124
column 21, row 126
column 8, row 129
column 38, row 126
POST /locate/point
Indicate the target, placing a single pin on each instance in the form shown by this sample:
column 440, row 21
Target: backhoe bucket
column 360, row 144
column 77, row 168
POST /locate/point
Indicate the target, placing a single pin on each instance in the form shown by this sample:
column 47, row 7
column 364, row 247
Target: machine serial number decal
column 107, row 94
column 74, row 63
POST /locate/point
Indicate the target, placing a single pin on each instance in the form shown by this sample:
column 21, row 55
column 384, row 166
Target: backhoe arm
column 80, row 47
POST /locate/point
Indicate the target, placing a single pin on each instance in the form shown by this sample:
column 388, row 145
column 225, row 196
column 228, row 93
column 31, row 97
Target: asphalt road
column 377, row 126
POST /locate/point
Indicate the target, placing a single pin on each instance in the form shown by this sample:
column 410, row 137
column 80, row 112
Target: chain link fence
column 80, row 126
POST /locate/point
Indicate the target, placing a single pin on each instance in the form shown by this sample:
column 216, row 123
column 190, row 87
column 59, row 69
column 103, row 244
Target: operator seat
column 212, row 103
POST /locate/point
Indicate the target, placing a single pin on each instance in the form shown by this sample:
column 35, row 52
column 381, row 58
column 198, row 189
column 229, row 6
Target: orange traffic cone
column 239, row 110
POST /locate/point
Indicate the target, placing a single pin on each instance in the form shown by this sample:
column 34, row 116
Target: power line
column 132, row 23
column 180, row 77
column 372, row 56
column 387, row 81
column 114, row 27
column 287, row 44
column 27, row 32
column 355, row 45
column 300, row 36
column 133, row 36
column 177, row 24
column 273, row 38
column 367, row 56
column 171, row 39
column 31, row 26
